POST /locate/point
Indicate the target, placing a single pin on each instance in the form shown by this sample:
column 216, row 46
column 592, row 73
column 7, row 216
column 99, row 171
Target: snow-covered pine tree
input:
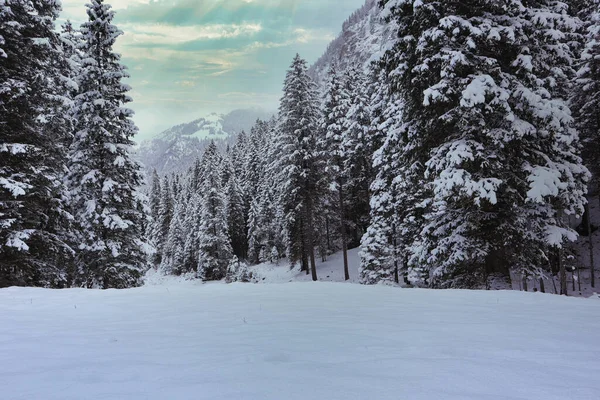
column 262, row 216
column 586, row 93
column 33, row 134
column 383, row 253
column 215, row 247
column 70, row 44
column 585, row 102
column 300, row 165
column 196, row 176
column 155, row 195
column 235, row 213
column 265, row 215
column 154, row 204
column 253, row 170
column 382, row 244
column 485, row 135
column 104, row 178
column 253, row 163
column 162, row 222
column 173, row 249
column 192, row 224
column 335, row 110
column 358, row 145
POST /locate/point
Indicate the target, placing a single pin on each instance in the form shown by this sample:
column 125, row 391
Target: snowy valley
column 418, row 220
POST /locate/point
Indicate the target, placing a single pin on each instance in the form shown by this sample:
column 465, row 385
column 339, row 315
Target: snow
column 17, row 239
column 328, row 271
column 543, row 181
column 296, row 341
column 15, row 188
column 15, row 148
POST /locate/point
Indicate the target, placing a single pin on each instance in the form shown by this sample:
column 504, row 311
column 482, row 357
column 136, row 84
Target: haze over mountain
column 176, row 148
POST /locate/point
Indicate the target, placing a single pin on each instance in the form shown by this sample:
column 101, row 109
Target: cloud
column 191, row 57
column 168, row 35
column 188, row 84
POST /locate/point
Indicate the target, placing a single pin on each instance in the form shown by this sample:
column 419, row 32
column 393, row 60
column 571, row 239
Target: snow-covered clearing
column 296, row 340
column 331, row 270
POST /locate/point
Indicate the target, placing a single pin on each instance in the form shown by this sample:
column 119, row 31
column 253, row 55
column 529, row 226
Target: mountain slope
column 364, row 37
column 176, row 148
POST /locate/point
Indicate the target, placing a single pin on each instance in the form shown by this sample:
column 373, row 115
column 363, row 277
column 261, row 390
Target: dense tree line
column 454, row 161
column 70, row 210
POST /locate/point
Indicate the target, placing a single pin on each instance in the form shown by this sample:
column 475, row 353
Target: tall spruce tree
column 162, row 222
column 104, row 178
column 214, row 242
column 236, row 214
column 173, row 249
column 266, row 240
column 34, row 131
column 382, row 243
column 586, row 103
column 359, row 143
column 300, row 164
column 335, row 111
column 486, row 151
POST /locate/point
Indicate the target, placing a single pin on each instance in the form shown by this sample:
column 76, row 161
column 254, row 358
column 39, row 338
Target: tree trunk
column 590, row 245
column 342, row 214
column 562, row 274
column 542, row 286
column 310, row 237
column 328, row 233
column 304, row 256
column 395, row 254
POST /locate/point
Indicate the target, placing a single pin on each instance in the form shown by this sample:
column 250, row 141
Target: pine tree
column 173, row 250
column 359, row 143
column 486, row 150
column 265, row 215
column 383, row 243
column 192, row 225
column 162, row 222
column 155, row 195
column 104, row 178
column 236, row 215
column 215, row 247
column 336, row 108
column 70, row 39
column 300, row 165
column 33, row 134
column 154, row 204
column 586, row 103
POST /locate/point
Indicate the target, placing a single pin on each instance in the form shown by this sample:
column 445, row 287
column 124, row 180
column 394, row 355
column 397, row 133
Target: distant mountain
column 176, row 148
column 365, row 36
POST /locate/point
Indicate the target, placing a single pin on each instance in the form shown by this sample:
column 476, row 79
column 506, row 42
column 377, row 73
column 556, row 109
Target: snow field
column 309, row 341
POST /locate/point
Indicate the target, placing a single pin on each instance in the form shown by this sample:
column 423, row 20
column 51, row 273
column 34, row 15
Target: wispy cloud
column 191, row 57
column 166, row 35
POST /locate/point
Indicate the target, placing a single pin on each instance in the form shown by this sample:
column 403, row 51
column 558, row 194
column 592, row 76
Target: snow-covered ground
column 332, row 270
column 301, row 340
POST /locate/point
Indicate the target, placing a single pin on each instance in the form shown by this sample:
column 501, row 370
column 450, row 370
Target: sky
column 189, row 58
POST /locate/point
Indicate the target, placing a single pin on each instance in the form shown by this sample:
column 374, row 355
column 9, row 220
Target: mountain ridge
column 176, row 148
